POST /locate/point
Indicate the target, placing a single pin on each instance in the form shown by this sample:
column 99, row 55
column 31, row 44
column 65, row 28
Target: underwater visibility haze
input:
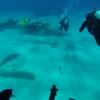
column 44, row 52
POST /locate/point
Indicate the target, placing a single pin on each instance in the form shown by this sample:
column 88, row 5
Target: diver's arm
column 82, row 26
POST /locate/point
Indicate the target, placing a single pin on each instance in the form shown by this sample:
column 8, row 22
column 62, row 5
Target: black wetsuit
column 63, row 24
column 93, row 26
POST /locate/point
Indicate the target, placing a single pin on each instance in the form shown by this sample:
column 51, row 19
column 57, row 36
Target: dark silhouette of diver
column 64, row 22
column 53, row 92
column 92, row 23
column 8, row 24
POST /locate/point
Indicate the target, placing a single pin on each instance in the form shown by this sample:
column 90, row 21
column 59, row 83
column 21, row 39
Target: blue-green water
column 31, row 63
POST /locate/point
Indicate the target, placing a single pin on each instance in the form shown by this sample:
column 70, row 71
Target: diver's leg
column 97, row 38
column 82, row 26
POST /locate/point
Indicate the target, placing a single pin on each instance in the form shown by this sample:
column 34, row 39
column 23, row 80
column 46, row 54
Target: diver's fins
column 82, row 26
column 53, row 92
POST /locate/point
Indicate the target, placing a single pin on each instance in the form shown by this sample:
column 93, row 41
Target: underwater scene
column 49, row 50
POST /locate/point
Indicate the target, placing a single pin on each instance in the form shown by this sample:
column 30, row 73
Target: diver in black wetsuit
column 64, row 22
column 9, row 24
column 92, row 23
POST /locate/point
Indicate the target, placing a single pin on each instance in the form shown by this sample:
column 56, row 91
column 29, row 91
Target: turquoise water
column 30, row 63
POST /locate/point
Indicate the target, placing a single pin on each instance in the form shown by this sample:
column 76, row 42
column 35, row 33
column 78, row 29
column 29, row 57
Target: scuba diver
column 29, row 26
column 64, row 22
column 8, row 24
column 92, row 23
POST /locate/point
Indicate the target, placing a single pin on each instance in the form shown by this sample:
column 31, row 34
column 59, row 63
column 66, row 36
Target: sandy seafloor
column 71, row 61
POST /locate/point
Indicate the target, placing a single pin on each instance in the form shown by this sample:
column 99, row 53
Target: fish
column 6, row 94
column 9, row 58
column 17, row 75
